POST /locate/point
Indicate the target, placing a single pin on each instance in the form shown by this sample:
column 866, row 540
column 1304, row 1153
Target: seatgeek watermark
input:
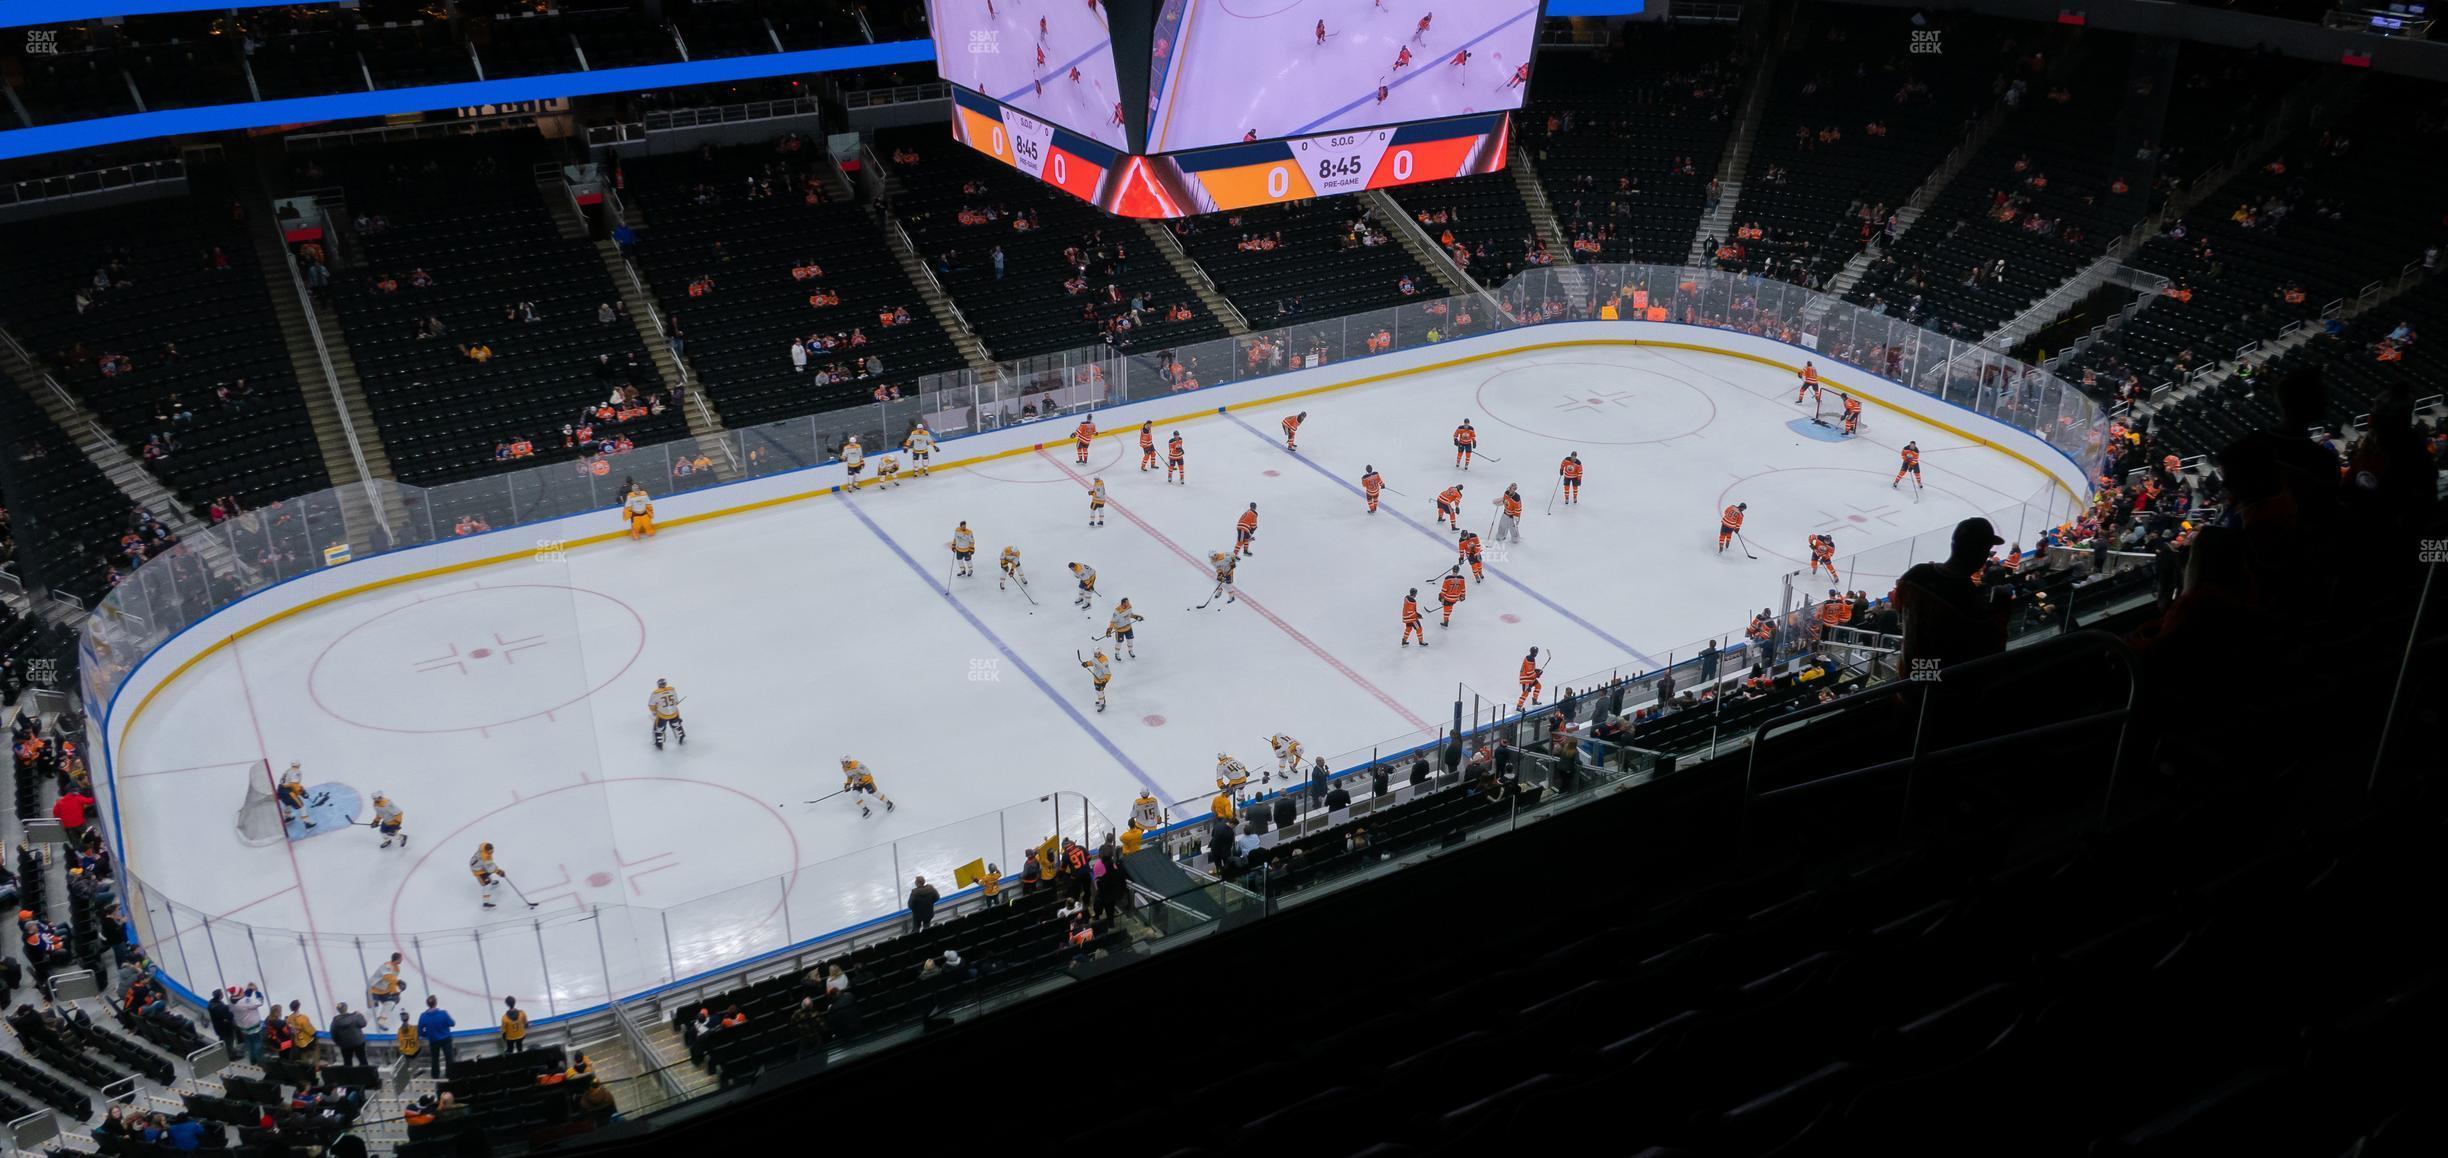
column 42, row 42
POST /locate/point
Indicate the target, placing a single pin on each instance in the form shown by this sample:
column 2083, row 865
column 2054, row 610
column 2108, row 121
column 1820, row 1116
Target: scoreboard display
column 1233, row 176
column 1171, row 108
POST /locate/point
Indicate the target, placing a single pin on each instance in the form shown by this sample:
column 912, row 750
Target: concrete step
column 923, row 283
column 1195, row 276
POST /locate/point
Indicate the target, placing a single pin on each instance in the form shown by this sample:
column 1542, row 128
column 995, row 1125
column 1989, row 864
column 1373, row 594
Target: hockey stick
column 1552, row 488
column 826, row 796
column 1489, row 457
column 1024, row 592
column 517, row 891
column 1746, row 546
column 949, row 571
column 1392, row 491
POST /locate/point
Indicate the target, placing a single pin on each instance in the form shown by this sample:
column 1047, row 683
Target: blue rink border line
column 927, row 578
column 107, row 742
column 1414, row 524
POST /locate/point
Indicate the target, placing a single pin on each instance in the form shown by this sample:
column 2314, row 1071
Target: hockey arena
column 502, row 698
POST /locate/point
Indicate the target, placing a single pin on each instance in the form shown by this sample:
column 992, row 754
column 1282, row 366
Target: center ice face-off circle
column 1596, row 403
column 484, row 657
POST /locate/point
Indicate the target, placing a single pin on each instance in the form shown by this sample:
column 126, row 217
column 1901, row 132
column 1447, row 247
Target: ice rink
column 1259, row 66
column 507, row 703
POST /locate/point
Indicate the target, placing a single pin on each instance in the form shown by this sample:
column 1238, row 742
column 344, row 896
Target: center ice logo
column 984, row 43
column 985, row 671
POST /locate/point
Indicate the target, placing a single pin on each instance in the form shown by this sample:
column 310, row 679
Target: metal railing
column 331, row 383
column 731, row 114
column 900, row 94
column 2078, row 646
column 67, row 185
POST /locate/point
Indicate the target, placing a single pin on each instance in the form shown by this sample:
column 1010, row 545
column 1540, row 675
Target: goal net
column 259, row 819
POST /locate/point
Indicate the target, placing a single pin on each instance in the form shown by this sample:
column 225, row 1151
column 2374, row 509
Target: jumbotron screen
column 1233, row 176
column 1051, row 59
column 1246, row 105
column 1226, row 71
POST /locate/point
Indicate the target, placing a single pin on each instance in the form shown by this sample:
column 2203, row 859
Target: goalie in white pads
column 485, row 871
column 857, row 782
column 663, row 703
column 292, row 794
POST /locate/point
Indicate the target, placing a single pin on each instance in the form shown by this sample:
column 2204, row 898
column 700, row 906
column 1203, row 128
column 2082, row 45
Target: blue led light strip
column 349, row 106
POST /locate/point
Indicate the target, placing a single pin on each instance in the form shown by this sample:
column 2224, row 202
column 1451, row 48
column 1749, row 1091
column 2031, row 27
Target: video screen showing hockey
column 1053, row 59
column 1246, row 70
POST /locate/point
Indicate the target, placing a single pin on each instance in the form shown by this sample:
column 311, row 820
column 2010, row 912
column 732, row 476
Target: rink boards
column 615, row 840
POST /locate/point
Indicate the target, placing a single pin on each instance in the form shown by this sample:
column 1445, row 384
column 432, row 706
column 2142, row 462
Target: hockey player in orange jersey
column 1173, row 461
column 1451, row 590
column 1466, row 441
column 1449, row 505
column 1469, row 549
column 1571, row 470
column 1370, row 483
column 1531, row 673
column 1411, row 620
column 1291, row 429
column 1245, row 529
column 1081, row 436
column 1823, row 553
column 1147, row 445
column 1807, row 381
column 1852, row 413
column 1730, row 525
column 1911, row 466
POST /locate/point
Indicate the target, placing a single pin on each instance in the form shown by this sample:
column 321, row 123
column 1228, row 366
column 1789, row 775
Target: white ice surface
column 817, row 629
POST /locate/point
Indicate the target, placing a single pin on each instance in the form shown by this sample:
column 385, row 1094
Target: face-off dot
column 1152, row 721
column 1508, row 617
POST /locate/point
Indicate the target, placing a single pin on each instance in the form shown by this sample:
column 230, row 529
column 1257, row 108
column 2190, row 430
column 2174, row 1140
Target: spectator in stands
column 302, row 1032
column 278, row 1038
column 513, row 1027
column 1947, row 616
column 922, row 900
column 434, row 1027
column 247, row 1017
column 348, row 1034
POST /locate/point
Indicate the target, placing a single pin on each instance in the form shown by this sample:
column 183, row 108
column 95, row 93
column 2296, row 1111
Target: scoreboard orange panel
column 1234, row 176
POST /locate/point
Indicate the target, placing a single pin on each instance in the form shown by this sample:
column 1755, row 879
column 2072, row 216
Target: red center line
column 238, row 657
column 1246, row 600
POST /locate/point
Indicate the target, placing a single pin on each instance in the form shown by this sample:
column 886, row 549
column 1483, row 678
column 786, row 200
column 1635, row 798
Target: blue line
column 928, row 577
column 1441, row 541
column 1441, row 55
